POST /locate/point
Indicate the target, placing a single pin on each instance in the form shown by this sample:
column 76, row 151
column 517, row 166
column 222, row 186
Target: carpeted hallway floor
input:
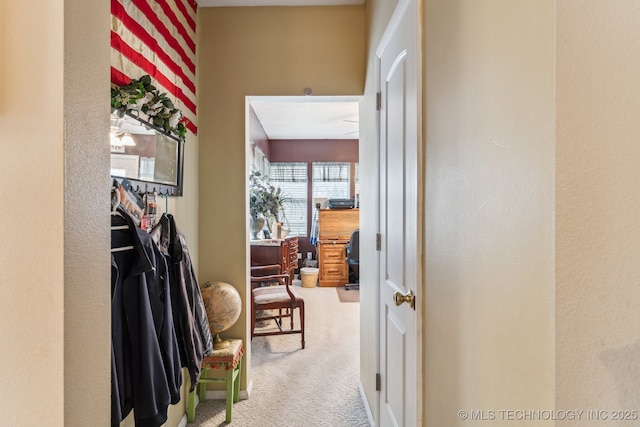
column 314, row 387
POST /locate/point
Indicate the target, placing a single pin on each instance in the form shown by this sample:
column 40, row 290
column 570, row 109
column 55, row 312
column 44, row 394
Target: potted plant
column 265, row 202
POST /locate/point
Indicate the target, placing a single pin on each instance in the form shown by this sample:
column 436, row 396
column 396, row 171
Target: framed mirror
column 149, row 158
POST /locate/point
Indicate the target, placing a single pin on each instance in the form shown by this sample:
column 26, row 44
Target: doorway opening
column 309, row 147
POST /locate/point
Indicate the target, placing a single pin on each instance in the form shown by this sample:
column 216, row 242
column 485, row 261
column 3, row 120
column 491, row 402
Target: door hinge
column 378, row 382
column 379, row 101
column 378, row 242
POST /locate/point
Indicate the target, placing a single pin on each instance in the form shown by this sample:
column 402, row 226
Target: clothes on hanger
column 150, row 211
column 130, row 201
column 190, row 317
column 146, row 373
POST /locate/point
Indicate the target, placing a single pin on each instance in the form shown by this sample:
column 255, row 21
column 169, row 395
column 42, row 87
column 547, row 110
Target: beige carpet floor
column 314, row 387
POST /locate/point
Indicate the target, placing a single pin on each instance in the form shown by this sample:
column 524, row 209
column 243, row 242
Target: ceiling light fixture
column 114, row 140
column 127, row 140
column 119, row 138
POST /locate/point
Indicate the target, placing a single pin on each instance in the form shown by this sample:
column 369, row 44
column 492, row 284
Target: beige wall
column 31, row 258
column 54, row 272
column 185, row 208
column 598, row 232
column 489, row 203
column 87, row 290
column 258, row 51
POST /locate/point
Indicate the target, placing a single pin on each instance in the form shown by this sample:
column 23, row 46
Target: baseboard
column 365, row 402
column 222, row 394
column 183, row 421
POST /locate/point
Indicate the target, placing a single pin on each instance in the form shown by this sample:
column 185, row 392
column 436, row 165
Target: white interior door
column 400, row 228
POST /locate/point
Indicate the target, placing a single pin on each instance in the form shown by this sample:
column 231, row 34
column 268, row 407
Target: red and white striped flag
column 157, row 37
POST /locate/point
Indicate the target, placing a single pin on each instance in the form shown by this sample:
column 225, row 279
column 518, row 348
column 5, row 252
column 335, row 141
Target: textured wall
column 489, row 202
column 598, row 232
column 31, row 256
column 87, row 290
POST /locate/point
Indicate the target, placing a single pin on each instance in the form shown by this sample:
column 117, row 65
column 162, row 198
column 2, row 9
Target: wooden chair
column 271, row 291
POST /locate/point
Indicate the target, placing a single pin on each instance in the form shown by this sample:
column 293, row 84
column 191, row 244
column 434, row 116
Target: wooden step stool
column 229, row 359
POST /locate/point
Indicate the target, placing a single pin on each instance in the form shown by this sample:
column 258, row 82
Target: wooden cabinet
column 276, row 251
column 332, row 263
column 334, row 231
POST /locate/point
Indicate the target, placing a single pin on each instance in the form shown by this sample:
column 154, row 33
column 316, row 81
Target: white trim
column 392, row 25
column 365, row 402
column 183, row 421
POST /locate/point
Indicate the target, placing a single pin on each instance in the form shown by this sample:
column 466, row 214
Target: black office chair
column 353, row 261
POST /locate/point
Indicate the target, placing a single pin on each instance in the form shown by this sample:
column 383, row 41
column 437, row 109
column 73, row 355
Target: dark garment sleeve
column 151, row 391
column 158, row 288
column 195, row 299
column 197, row 329
column 193, row 289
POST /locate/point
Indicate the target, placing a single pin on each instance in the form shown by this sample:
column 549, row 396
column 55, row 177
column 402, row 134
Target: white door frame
column 393, row 22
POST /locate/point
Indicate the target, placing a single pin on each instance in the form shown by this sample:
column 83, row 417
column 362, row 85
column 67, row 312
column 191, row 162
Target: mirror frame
column 143, row 186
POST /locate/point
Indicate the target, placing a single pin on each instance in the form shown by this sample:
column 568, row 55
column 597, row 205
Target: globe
column 223, row 305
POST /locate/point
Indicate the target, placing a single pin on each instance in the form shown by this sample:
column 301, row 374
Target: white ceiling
column 231, row 3
column 307, row 117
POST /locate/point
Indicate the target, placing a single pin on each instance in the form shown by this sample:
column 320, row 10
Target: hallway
column 315, row 387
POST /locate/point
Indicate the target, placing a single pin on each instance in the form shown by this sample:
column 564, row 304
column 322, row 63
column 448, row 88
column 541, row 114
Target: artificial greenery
column 265, row 200
column 141, row 95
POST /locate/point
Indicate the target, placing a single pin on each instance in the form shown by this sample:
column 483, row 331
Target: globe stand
column 219, row 343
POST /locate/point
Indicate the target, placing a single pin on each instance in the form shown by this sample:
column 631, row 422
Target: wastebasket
column 309, row 276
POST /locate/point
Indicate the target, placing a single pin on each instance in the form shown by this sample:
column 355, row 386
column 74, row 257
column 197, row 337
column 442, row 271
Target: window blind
column 292, row 179
column 331, row 180
column 357, row 180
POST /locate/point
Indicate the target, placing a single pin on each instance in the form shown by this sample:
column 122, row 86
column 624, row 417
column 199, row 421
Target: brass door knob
column 409, row 298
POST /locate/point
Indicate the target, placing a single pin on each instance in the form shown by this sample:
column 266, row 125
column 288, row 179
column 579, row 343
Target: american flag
column 157, row 37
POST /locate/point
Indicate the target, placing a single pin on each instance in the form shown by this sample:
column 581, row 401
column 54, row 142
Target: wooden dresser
column 334, row 231
column 276, row 251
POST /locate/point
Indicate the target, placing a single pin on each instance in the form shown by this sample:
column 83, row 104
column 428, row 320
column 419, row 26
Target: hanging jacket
column 146, row 367
column 190, row 316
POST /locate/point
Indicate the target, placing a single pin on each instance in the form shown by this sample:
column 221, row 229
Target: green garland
column 141, row 95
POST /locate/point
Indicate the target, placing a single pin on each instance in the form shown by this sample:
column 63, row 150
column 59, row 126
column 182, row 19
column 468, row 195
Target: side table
column 229, row 359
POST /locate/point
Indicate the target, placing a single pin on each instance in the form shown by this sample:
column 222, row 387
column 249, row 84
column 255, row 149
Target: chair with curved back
column 270, row 291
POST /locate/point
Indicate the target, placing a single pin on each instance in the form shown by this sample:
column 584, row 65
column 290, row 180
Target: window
column 357, row 184
column 331, row 180
column 292, row 179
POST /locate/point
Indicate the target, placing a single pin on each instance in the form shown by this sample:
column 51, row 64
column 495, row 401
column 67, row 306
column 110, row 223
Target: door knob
column 410, row 298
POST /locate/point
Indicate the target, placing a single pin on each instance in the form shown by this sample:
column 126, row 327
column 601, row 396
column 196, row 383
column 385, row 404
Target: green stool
column 229, row 359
